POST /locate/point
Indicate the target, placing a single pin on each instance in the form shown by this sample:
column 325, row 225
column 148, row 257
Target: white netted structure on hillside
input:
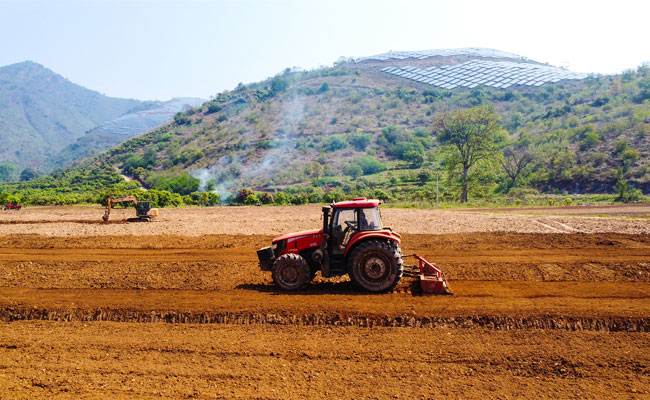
column 496, row 74
column 424, row 54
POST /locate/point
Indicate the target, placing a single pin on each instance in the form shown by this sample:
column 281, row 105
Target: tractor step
column 431, row 278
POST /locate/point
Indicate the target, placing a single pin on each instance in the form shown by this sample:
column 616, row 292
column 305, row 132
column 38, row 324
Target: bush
column 281, row 198
column 335, row 142
column 213, row 108
column 300, row 198
column 353, row 170
column 266, row 198
column 323, row 88
column 333, row 196
column 213, row 198
column 370, row 165
column 415, row 158
column 251, row 200
column 28, row 174
column 360, row 140
column 243, row 194
column 180, row 119
column 424, row 176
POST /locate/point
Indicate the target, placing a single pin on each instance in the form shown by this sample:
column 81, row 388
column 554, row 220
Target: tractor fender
column 363, row 236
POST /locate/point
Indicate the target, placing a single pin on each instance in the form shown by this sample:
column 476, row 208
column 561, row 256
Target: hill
column 41, row 112
column 364, row 127
column 113, row 132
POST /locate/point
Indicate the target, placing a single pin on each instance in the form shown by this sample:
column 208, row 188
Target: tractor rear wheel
column 291, row 272
column 376, row 266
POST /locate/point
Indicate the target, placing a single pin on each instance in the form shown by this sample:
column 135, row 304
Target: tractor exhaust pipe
column 326, row 214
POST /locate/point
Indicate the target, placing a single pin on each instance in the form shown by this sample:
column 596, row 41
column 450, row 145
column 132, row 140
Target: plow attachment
column 431, row 278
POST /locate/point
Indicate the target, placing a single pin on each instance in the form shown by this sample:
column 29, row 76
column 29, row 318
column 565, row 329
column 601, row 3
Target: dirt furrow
column 611, row 324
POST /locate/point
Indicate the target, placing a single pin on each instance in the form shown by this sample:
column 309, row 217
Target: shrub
column 335, row 142
column 300, row 198
column 266, row 198
column 370, row 165
column 415, row 158
column 180, row 119
column 353, row 170
column 213, row 198
column 281, row 198
column 243, row 194
column 251, row 200
column 424, row 176
column 213, row 108
column 360, row 140
column 323, row 88
column 333, row 196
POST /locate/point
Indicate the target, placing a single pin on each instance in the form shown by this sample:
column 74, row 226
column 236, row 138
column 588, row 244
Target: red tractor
column 352, row 241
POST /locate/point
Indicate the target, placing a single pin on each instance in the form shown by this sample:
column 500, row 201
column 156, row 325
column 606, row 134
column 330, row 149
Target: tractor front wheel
column 291, row 272
column 376, row 266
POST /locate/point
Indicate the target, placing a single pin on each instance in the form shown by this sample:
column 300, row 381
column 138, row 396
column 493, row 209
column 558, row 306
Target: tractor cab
column 349, row 218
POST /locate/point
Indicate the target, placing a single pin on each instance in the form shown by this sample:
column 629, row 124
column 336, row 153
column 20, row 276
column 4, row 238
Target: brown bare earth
column 544, row 307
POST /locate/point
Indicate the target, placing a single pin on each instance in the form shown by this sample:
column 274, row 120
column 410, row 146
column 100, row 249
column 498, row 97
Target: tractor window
column 369, row 219
column 345, row 218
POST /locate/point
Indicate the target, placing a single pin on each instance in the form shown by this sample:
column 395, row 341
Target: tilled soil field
column 180, row 309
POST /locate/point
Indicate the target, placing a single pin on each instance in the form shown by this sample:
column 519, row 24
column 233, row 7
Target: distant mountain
column 116, row 131
column 41, row 113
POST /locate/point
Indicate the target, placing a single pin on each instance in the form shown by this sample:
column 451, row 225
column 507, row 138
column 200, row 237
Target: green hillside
column 354, row 129
column 42, row 112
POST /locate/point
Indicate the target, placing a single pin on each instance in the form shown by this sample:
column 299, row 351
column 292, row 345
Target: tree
column 7, row 171
column 514, row 162
column 354, row 171
column 470, row 137
column 251, row 200
column 415, row 158
column 28, row 174
column 424, row 176
column 243, row 194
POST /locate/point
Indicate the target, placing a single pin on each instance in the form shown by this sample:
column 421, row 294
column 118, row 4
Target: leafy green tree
column 266, row 198
column 323, row 88
column 7, row 172
column 243, row 194
column 333, row 196
column 28, row 174
column 213, row 198
column 360, row 140
column 470, row 137
column 279, row 84
column 300, row 198
column 335, row 142
column 353, row 170
column 424, row 176
column 281, row 198
column 164, row 198
column 415, row 158
column 370, row 165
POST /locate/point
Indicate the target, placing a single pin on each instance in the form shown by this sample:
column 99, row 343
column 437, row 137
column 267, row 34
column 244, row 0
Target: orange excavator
column 143, row 210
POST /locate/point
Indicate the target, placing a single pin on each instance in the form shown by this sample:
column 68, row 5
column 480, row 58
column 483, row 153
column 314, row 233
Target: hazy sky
column 150, row 49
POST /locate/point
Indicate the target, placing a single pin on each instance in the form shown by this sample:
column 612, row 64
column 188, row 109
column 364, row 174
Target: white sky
column 150, row 49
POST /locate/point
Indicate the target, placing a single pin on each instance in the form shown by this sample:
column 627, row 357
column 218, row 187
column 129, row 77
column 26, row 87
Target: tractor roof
column 357, row 202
